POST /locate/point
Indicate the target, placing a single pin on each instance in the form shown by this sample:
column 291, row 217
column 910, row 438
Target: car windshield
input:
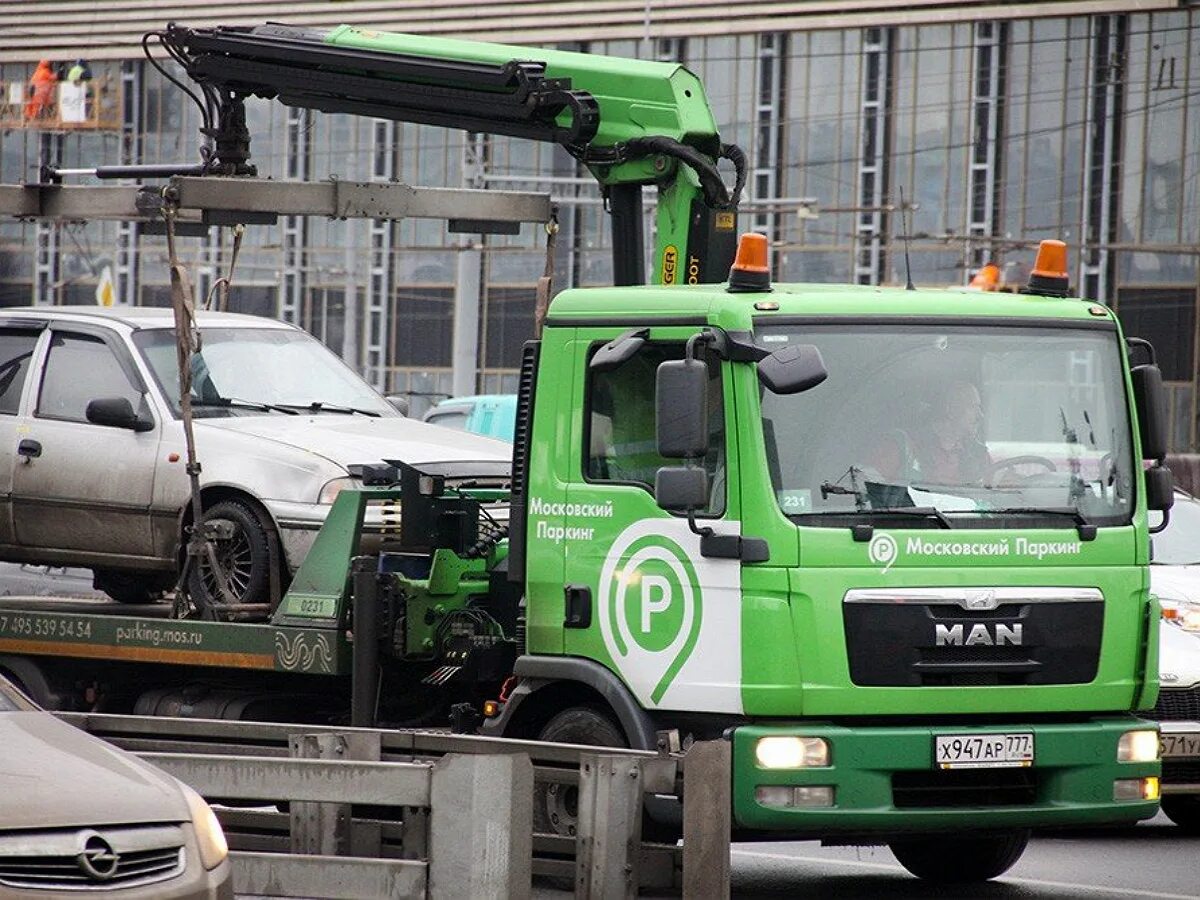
column 254, row 371
column 1179, row 543
column 971, row 426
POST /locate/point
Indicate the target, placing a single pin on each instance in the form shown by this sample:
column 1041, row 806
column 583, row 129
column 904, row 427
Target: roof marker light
column 986, row 279
column 751, row 271
column 1049, row 275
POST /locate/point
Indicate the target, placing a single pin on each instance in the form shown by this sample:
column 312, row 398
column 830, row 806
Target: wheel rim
column 562, row 806
column 235, row 558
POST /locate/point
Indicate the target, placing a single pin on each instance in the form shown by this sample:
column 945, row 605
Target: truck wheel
column 556, row 806
column 244, row 557
column 1184, row 811
column 131, row 587
column 960, row 860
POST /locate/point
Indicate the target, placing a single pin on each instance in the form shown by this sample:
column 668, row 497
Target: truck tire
column 1184, row 811
column 556, row 806
column 245, row 557
column 131, row 587
column 961, row 860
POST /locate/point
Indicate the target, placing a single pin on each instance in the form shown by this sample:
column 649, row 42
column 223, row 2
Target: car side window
column 81, row 368
column 16, row 350
column 622, row 444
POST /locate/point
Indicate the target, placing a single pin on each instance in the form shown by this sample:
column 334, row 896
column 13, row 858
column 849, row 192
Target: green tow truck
column 891, row 544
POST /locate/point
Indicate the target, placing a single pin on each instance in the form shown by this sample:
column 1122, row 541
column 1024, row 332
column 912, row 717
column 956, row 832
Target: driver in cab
column 947, row 449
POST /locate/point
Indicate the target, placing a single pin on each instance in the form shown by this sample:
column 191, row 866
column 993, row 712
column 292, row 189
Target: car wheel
column 1184, row 811
column 131, row 587
column 244, row 557
column 961, row 860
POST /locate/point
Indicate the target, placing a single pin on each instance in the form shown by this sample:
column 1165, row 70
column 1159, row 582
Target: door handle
column 29, row 448
column 579, row 606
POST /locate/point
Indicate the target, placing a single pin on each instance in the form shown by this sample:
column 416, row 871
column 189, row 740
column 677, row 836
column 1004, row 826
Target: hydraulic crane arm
column 632, row 123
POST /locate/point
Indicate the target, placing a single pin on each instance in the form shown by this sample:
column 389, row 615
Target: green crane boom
column 632, row 123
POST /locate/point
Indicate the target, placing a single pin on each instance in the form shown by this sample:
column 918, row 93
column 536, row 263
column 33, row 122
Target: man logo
column 979, row 635
column 882, row 550
column 649, row 607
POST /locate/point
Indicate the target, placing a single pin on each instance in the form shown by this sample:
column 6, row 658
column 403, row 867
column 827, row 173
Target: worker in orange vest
column 41, row 91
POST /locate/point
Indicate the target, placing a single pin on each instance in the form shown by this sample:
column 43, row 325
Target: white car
column 1175, row 580
column 95, row 472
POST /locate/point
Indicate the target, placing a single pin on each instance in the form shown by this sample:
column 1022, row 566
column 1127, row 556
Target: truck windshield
column 257, row 371
column 973, row 426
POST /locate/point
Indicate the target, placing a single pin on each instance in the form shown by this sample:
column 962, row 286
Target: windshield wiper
column 1087, row 531
column 238, row 403
column 320, row 406
column 925, row 512
column 919, row 512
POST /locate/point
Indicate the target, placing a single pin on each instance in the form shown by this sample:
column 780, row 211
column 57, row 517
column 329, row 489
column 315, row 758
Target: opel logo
column 98, row 860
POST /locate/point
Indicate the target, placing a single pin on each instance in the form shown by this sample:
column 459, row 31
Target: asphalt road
column 1152, row 860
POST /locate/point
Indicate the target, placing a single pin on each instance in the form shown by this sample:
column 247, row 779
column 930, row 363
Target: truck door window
column 81, row 368
column 620, row 444
column 16, row 349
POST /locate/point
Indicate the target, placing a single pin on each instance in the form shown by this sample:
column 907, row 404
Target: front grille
column 918, row 637
column 964, row 787
column 1181, row 771
column 1178, row 705
column 86, row 859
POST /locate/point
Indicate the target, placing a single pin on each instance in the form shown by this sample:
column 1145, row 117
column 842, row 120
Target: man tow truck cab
column 703, row 545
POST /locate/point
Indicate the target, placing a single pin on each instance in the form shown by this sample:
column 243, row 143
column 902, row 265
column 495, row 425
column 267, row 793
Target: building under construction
column 970, row 130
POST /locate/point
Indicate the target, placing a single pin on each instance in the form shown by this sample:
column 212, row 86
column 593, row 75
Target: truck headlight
column 332, row 488
column 210, row 837
column 787, row 752
column 1138, row 746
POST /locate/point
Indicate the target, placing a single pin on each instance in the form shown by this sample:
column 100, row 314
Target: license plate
column 1174, row 746
column 983, row 751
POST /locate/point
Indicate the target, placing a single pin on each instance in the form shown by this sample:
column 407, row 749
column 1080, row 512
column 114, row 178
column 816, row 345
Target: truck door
column 82, row 486
column 639, row 597
column 17, row 346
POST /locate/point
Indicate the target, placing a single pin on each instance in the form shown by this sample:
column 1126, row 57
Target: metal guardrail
column 367, row 812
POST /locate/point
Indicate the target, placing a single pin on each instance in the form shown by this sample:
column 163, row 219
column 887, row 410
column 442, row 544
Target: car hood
column 349, row 439
column 1175, row 582
column 52, row 775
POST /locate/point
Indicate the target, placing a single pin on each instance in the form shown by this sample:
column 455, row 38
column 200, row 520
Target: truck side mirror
column 116, row 412
column 1160, row 488
column 681, row 400
column 398, row 402
column 1150, row 398
column 792, row 370
column 681, row 488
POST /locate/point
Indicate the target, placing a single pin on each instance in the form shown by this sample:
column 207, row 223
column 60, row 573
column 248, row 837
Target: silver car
column 95, row 474
column 78, row 816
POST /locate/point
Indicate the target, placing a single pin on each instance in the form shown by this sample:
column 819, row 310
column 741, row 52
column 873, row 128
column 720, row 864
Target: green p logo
column 650, row 607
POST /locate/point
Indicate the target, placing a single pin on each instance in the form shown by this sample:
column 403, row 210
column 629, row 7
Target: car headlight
column 210, row 837
column 332, row 488
column 1181, row 613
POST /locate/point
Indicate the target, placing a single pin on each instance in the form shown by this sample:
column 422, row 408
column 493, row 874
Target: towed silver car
column 96, row 473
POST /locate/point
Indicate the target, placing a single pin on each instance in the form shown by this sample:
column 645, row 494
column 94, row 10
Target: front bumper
column 298, row 524
column 884, row 781
column 1181, row 773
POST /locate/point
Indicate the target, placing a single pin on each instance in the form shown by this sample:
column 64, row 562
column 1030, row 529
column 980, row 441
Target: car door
column 638, row 592
column 18, row 341
column 82, row 491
